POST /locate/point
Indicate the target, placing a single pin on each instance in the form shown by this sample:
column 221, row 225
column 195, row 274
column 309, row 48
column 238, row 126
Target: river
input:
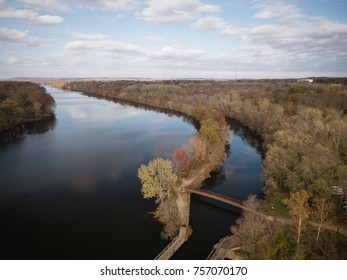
column 69, row 186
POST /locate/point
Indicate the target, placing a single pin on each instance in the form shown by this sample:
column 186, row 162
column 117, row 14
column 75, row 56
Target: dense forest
column 22, row 102
column 303, row 127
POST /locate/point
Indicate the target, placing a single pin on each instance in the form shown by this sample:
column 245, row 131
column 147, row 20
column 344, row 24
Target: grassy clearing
column 275, row 207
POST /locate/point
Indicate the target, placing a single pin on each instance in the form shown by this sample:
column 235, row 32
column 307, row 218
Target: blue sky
column 173, row 38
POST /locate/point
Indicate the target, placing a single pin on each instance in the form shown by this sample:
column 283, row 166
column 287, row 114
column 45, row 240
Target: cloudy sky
column 173, row 38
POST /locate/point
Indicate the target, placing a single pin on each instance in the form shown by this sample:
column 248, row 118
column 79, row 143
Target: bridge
column 182, row 237
column 219, row 197
column 174, row 245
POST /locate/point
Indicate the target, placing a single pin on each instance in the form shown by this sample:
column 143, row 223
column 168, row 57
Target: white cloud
column 208, row 8
column 278, row 10
column 12, row 61
column 155, row 38
column 17, row 13
column 17, row 36
column 124, row 53
column 280, row 38
column 210, row 22
column 112, row 46
column 288, row 38
column 2, row 2
column 47, row 5
column 230, row 30
column 85, row 36
column 329, row 28
column 173, row 52
column 80, row 46
column 87, row 42
column 165, row 11
column 46, row 19
column 223, row 27
column 270, row 31
column 260, row 50
column 119, row 5
column 32, row 16
column 121, row 47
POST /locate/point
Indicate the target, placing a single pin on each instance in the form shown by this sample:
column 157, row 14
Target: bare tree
column 251, row 224
column 322, row 211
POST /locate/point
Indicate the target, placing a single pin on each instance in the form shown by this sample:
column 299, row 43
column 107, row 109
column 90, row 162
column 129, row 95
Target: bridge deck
column 219, row 197
column 174, row 245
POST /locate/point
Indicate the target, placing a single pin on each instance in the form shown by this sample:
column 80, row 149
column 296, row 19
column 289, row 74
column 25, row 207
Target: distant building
column 336, row 190
column 305, row 80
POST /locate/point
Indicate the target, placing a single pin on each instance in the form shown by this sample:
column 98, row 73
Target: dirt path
column 187, row 182
column 183, row 198
column 342, row 229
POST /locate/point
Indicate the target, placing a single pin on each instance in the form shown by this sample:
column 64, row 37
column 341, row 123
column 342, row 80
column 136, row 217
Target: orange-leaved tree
column 299, row 208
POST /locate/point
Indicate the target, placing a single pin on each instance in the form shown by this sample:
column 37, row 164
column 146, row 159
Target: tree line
column 303, row 129
column 22, row 102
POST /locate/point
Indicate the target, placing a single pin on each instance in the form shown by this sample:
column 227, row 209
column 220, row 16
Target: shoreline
column 29, row 122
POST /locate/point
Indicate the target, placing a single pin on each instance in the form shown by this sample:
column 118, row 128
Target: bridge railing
column 182, row 234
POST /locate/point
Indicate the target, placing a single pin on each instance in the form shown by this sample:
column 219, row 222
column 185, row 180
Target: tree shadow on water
column 18, row 133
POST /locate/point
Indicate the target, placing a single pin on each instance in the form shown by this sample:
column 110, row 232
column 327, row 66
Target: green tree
column 11, row 112
column 278, row 246
column 271, row 189
column 208, row 131
column 157, row 178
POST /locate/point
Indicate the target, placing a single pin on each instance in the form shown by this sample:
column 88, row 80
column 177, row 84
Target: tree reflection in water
column 18, row 133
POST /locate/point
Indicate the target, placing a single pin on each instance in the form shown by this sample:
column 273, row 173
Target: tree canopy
column 22, row 102
column 157, row 178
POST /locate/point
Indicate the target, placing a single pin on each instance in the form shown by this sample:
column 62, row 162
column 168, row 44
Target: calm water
column 69, row 187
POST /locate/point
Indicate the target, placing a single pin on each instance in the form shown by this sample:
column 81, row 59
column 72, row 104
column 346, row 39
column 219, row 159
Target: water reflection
column 235, row 167
column 115, row 173
column 149, row 108
column 217, row 178
column 104, row 114
column 251, row 138
column 85, row 184
column 19, row 132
